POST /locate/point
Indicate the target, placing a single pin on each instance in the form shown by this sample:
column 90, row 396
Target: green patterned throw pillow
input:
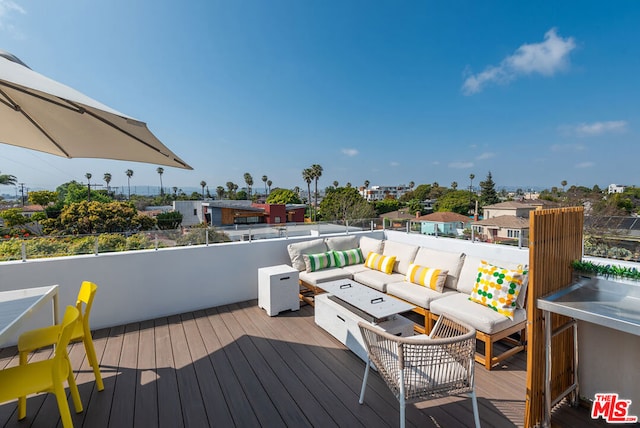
column 497, row 288
column 349, row 257
column 316, row 262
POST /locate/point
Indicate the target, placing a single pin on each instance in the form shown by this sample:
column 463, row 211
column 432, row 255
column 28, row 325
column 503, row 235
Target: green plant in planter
column 615, row 271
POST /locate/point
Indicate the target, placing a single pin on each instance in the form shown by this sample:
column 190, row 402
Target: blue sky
column 389, row 92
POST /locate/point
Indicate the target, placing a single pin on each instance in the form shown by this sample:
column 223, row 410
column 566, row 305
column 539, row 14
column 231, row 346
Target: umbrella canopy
column 41, row 114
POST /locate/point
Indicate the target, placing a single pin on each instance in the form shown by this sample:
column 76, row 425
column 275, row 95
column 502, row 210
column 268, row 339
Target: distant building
column 230, row 212
column 378, row 193
column 616, row 188
column 500, row 228
column 443, row 223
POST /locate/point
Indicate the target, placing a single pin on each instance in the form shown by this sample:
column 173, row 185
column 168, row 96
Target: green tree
column 8, row 180
column 43, row 197
column 317, row 173
column 264, row 180
column 129, row 174
column 242, row 195
column 230, row 189
column 345, row 203
column 414, row 206
column 307, row 176
column 456, row 201
column 488, row 194
column 454, row 185
column 283, row 196
column 269, row 183
column 160, row 171
column 386, row 206
column 76, row 192
column 220, row 192
column 249, row 180
column 202, row 184
column 107, row 179
column 169, row 220
column 13, row 217
column 422, row 192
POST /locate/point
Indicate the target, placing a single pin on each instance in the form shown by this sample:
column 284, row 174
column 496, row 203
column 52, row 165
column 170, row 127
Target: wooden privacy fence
column 555, row 240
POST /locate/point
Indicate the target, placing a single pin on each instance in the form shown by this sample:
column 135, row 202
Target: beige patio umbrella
column 41, row 114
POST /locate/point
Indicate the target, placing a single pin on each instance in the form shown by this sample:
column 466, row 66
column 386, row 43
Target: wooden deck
column 235, row 366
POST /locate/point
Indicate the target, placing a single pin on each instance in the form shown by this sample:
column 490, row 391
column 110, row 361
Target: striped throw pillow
column 315, row 262
column 379, row 262
column 427, row 277
column 349, row 257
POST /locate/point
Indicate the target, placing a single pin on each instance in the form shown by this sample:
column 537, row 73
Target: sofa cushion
column 482, row 318
column 376, row 279
column 319, row 261
column 427, row 277
column 331, row 274
column 349, row 257
column 307, row 247
column 416, row 294
column 370, row 245
column 497, row 288
column 353, row 269
column 379, row 262
column 469, row 275
column 341, row 243
column 451, row 262
column 404, row 254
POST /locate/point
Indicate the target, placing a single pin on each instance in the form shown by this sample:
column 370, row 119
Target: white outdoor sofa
column 453, row 300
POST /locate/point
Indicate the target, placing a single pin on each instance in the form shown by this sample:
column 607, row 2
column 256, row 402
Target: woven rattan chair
column 424, row 367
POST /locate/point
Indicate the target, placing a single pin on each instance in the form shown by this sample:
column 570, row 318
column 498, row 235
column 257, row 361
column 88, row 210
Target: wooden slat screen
column 555, row 241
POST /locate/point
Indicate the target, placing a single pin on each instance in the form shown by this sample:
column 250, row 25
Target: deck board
column 236, row 366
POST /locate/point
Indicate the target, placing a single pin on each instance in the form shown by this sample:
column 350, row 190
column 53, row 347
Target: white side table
column 278, row 289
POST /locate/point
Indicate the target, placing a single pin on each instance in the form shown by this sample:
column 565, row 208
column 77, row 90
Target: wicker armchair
column 424, row 367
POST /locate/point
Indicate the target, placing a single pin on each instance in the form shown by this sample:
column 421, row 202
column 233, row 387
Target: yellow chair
column 35, row 339
column 46, row 376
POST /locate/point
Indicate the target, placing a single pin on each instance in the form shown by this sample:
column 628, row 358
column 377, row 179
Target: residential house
column 230, row 212
column 501, row 229
column 616, row 188
column 443, row 223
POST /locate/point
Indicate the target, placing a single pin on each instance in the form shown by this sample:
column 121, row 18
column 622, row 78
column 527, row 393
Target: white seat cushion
column 353, row 269
column 404, row 253
column 442, row 260
column 296, row 251
column 416, row 294
column 324, row 275
column 482, row 318
column 376, row 279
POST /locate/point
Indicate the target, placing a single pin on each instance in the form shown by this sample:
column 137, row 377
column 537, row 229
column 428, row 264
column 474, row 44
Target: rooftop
column 235, row 366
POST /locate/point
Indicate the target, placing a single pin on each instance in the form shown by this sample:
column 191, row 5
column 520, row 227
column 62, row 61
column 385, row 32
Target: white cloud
column 350, row 152
column 599, row 128
column 486, row 155
column 394, row 163
column 7, row 9
column 461, row 165
column 585, row 165
column 545, row 58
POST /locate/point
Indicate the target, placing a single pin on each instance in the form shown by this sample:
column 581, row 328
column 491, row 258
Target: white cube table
column 278, row 289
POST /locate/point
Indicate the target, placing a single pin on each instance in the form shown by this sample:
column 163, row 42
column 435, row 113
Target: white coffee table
column 347, row 302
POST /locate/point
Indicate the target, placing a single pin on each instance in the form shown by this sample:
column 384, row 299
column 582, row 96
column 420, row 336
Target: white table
column 16, row 306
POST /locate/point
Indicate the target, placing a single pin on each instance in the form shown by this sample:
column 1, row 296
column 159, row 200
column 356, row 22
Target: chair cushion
column 379, row 262
column 416, row 294
column 331, row 274
column 469, row 275
column 427, row 277
column 348, row 257
column 451, row 262
column 307, row 247
column 376, row 279
column 316, row 262
column 404, row 254
column 370, row 245
column 497, row 288
column 341, row 243
column 483, row 319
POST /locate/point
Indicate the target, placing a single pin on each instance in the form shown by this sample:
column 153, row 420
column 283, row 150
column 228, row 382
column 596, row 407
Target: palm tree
column 175, row 191
column 249, row 180
column 160, row 171
column 564, row 183
column 220, row 191
column 349, row 184
column 317, row 173
column 335, row 183
column 88, row 175
column 296, row 190
column 411, row 184
column 230, row 189
column 269, row 183
column 264, row 180
column 307, row 175
column 202, row 184
column 107, row 179
column 471, row 177
column 454, row 185
column 129, row 173
column 366, row 184
column 8, row 180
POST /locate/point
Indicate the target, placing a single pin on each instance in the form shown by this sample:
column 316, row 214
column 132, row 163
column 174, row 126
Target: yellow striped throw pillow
column 379, row 262
column 427, row 277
